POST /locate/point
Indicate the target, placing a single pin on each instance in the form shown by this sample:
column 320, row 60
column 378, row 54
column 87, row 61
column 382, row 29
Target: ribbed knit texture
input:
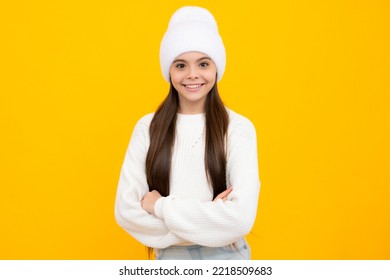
column 188, row 215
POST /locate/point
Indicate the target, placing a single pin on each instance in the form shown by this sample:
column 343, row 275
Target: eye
column 180, row 65
column 203, row 64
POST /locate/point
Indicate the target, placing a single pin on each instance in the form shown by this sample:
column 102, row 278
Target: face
column 193, row 74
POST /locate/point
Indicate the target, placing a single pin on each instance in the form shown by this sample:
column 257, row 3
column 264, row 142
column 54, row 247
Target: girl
column 189, row 183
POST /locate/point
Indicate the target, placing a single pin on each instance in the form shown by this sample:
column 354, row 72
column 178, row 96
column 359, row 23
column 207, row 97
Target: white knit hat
column 192, row 29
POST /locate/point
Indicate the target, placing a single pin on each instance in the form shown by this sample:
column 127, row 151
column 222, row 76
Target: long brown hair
column 162, row 136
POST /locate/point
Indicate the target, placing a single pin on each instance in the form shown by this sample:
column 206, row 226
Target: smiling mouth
column 193, row 86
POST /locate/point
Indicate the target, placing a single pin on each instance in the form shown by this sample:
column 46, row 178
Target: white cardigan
column 188, row 215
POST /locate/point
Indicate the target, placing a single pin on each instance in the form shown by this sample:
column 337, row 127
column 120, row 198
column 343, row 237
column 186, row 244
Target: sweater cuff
column 158, row 207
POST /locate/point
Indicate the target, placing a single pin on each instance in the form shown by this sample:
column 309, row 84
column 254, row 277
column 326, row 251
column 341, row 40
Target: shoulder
column 241, row 125
column 144, row 122
column 146, row 119
column 141, row 128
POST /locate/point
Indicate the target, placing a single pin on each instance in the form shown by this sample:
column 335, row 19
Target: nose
column 192, row 73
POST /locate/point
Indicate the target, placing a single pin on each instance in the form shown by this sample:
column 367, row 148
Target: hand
column 149, row 200
column 223, row 195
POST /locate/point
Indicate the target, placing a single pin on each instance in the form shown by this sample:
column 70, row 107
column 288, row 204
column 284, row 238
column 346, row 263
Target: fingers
column 220, row 196
column 226, row 192
column 223, row 195
column 148, row 201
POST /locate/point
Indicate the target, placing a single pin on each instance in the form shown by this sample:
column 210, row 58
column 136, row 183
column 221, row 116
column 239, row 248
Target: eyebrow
column 183, row 60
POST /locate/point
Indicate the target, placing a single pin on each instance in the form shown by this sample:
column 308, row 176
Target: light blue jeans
column 240, row 251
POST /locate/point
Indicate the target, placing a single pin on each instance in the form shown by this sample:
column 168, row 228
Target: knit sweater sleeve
column 220, row 223
column 132, row 187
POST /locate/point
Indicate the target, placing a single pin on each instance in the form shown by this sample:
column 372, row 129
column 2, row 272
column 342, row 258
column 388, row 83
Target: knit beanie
column 192, row 29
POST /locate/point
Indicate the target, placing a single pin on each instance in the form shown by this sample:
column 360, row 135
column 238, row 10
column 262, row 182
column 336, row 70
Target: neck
column 191, row 109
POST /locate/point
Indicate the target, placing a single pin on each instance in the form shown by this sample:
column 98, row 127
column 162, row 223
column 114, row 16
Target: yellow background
column 313, row 76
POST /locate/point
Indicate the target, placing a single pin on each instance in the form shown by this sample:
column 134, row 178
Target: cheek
column 211, row 75
column 176, row 83
column 211, row 78
column 175, row 77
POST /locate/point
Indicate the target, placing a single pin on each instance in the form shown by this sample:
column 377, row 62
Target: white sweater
column 188, row 215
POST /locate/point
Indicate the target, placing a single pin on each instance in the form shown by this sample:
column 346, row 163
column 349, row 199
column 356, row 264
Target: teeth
column 193, row 86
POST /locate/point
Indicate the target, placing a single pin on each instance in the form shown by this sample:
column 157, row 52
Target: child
column 189, row 184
